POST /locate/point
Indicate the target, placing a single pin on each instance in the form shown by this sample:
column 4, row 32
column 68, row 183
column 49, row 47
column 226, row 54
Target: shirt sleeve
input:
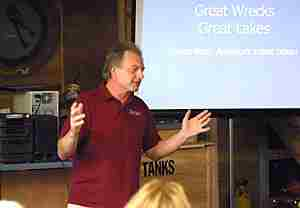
column 151, row 137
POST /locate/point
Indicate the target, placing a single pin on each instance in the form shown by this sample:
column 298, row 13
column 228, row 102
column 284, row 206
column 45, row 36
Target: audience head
column 160, row 194
column 9, row 204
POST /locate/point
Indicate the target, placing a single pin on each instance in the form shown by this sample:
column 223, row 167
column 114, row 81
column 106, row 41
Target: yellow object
column 243, row 200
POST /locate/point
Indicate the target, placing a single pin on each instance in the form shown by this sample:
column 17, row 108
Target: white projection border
column 218, row 82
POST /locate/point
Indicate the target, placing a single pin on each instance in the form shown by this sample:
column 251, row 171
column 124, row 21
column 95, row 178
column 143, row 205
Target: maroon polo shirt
column 106, row 166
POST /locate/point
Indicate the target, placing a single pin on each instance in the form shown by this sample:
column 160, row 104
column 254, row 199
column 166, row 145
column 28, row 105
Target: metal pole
column 231, row 163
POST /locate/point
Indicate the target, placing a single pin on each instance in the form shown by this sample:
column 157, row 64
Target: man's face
column 130, row 73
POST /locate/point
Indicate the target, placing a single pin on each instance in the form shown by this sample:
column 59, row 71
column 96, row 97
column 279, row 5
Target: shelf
column 34, row 165
column 280, row 154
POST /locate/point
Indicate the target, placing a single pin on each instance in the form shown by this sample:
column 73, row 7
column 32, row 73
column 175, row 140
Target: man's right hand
column 76, row 118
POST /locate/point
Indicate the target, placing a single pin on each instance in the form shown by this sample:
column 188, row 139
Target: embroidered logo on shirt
column 133, row 112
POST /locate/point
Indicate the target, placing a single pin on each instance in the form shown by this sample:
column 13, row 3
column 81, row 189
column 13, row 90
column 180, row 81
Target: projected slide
column 220, row 54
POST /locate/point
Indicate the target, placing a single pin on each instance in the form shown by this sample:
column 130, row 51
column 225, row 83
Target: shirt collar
column 103, row 94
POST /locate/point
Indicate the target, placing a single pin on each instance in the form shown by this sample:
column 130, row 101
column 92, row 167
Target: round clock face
column 27, row 34
column 22, row 30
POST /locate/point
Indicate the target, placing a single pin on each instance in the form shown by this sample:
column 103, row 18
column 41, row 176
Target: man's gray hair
column 115, row 54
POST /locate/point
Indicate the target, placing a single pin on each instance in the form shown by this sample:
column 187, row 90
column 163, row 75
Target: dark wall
column 90, row 26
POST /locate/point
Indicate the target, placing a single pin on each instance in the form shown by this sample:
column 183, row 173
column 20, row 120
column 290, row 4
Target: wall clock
column 29, row 35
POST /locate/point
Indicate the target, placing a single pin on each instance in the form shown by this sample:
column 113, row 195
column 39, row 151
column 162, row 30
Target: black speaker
column 16, row 138
column 45, row 137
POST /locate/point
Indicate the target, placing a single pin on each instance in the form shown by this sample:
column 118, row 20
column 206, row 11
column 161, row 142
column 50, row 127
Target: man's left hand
column 197, row 124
